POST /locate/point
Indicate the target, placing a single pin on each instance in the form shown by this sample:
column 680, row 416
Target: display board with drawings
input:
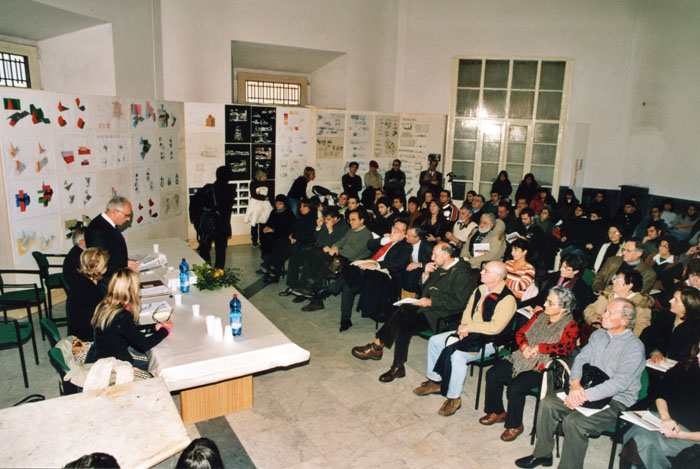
column 65, row 155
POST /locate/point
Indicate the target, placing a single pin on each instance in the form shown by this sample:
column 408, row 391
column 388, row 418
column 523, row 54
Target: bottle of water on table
column 184, row 276
column 235, row 315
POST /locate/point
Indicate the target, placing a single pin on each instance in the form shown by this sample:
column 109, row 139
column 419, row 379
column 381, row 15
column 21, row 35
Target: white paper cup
column 178, row 299
column 228, row 334
column 173, row 285
column 218, row 329
column 210, row 324
column 155, row 247
column 171, row 269
column 195, row 310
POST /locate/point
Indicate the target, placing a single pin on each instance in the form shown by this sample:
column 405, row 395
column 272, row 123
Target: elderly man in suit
column 103, row 232
column 485, row 244
column 631, row 259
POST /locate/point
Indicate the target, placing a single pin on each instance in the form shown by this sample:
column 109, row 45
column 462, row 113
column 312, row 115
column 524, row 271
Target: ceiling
column 34, row 21
column 256, row 56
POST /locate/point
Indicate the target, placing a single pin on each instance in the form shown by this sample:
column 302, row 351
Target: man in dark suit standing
column 103, row 232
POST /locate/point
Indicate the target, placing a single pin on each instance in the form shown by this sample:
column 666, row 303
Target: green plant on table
column 211, row 278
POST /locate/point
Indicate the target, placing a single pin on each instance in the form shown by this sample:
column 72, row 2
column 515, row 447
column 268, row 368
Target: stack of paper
column 151, row 262
column 644, row 419
column 663, row 365
column 584, row 410
column 160, row 290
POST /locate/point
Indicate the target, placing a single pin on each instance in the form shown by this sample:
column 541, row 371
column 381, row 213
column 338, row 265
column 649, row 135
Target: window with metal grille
column 267, row 92
column 14, row 70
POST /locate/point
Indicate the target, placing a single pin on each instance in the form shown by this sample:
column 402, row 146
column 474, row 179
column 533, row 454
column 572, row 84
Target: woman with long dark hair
column 502, row 185
column 527, row 188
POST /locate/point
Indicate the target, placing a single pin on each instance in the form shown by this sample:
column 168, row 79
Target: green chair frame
column 50, row 330
column 25, row 295
column 59, row 364
column 49, row 281
column 22, row 331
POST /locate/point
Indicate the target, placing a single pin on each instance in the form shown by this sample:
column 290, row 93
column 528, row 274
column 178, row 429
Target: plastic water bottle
column 184, row 276
column 235, row 315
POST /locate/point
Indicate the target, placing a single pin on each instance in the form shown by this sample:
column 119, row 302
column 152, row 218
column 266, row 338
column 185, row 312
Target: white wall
column 197, row 39
column 79, row 62
column 664, row 141
column 329, row 88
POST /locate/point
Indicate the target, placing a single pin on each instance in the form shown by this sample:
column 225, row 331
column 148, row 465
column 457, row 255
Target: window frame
column 32, row 55
column 242, row 77
column 476, row 181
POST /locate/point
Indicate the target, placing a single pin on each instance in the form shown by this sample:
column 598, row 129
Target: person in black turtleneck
column 301, row 238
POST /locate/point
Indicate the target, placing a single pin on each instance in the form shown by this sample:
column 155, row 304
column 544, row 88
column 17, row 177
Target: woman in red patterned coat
column 553, row 330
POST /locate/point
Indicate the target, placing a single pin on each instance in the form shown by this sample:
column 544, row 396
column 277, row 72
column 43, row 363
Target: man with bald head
column 104, row 232
column 446, row 285
column 487, row 315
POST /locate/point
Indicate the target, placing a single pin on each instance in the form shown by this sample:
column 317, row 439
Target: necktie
column 382, row 251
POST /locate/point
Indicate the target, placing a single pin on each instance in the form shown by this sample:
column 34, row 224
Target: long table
column 214, row 378
column 137, row 423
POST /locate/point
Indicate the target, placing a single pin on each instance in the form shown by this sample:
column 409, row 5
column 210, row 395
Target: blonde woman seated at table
column 85, row 293
column 678, row 407
column 115, row 328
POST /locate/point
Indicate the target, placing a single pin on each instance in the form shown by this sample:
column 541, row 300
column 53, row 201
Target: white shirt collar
column 109, row 220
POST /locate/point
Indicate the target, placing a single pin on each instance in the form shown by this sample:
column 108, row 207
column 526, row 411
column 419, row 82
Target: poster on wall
column 205, row 153
column 204, row 117
column 171, row 204
column 293, row 130
column 169, row 177
column 30, row 198
column 75, row 153
column 169, row 116
column 144, row 149
column 113, row 151
column 77, row 191
column 263, row 125
column 25, row 110
column 359, row 137
column 141, row 114
column 167, row 147
column 112, row 183
column 237, row 158
column 28, row 156
column 264, row 159
column 108, row 114
column 386, row 136
column 41, row 234
column 237, row 124
column 73, row 112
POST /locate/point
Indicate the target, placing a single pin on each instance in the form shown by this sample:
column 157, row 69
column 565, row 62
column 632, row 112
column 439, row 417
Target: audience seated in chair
column 71, row 263
column 628, row 285
column 631, row 260
column 678, row 407
column 279, row 226
column 552, row 330
column 599, row 253
column 569, row 277
column 461, row 229
column 487, row 314
column 489, row 236
column 421, row 255
column 446, row 285
column 666, row 264
column 521, row 274
column 618, row 353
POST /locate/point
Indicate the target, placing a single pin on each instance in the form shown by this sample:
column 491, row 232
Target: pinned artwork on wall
column 77, row 191
column 144, row 149
column 264, row 159
column 75, row 153
column 169, row 116
column 262, row 125
column 167, row 147
column 28, row 156
column 41, row 234
column 141, row 114
column 292, row 135
column 73, row 112
column 358, row 137
column 205, row 153
column 111, row 183
column 25, row 110
column 112, row 151
column 171, row 204
column 169, row 177
column 237, row 158
column 109, row 114
column 238, row 124
column 203, row 117
column 31, row 198
column 386, row 136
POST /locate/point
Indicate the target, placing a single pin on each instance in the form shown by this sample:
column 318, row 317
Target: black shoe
column 256, row 244
column 260, row 272
column 531, row 461
column 271, row 279
column 286, row 292
column 345, row 324
column 299, row 299
column 322, row 294
column 314, row 305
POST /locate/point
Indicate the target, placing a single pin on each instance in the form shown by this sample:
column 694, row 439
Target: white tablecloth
column 189, row 357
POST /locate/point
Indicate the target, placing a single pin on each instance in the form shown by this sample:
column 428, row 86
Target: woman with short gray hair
column 552, row 330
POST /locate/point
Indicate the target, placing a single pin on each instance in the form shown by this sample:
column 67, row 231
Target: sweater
column 517, row 280
column 502, row 315
column 621, row 357
column 558, row 337
column 122, row 333
column 353, row 245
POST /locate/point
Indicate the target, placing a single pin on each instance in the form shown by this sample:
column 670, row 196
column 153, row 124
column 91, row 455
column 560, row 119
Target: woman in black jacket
column 298, row 189
column 279, row 225
column 115, row 327
column 527, row 188
column 85, row 293
column 502, row 185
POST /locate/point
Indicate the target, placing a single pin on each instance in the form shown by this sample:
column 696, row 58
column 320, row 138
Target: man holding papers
column 618, row 353
column 485, row 244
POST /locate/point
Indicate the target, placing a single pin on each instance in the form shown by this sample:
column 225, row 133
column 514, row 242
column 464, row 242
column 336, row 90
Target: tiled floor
column 333, row 412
